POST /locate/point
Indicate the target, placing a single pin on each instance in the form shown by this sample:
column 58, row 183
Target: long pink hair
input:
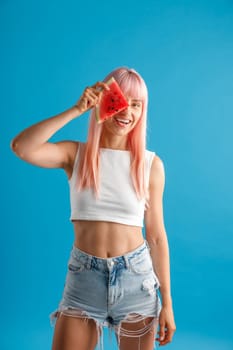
column 132, row 84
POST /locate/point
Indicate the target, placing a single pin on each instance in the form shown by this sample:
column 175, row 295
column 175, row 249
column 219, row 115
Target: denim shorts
column 111, row 290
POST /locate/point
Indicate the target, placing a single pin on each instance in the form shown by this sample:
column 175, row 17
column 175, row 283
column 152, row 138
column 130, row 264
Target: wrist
column 166, row 302
column 77, row 110
column 166, row 299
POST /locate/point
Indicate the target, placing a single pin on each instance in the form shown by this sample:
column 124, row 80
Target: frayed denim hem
column 119, row 329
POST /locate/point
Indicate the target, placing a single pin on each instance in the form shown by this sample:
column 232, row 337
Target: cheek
column 137, row 116
column 107, row 125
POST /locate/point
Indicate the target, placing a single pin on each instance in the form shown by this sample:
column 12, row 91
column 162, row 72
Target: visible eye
column 136, row 104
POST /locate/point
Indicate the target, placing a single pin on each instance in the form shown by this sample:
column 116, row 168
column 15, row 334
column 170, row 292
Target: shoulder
column 149, row 156
column 70, row 151
column 154, row 159
column 157, row 170
column 158, row 163
column 69, row 148
column 68, row 145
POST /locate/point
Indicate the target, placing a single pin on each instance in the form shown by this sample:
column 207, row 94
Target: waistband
column 103, row 263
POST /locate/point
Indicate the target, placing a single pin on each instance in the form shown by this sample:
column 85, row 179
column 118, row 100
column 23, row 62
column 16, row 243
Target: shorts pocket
column 75, row 265
column 75, row 268
column 141, row 264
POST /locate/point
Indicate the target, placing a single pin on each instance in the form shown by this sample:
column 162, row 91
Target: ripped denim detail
column 73, row 312
column 118, row 292
column 149, row 286
column 145, row 324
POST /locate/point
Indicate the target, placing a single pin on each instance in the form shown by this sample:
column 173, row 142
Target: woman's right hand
column 90, row 97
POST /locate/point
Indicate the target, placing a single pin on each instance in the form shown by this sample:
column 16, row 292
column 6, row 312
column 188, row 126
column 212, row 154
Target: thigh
column 138, row 335
column 72, row 333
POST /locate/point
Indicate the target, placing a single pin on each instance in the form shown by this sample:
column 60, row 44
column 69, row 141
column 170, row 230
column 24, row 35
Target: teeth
column 123, row 121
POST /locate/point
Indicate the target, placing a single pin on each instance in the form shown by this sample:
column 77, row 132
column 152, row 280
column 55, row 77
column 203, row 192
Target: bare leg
column 72, row 333
column 135, row 341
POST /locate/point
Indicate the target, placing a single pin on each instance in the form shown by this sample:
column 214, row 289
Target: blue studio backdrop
column 52, row 50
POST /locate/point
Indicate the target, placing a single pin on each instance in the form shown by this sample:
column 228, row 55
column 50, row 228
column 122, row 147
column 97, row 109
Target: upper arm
column 52, row 155
column 154, row 221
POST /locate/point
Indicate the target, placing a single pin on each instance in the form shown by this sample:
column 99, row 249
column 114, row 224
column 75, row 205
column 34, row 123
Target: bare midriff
column 106, row 239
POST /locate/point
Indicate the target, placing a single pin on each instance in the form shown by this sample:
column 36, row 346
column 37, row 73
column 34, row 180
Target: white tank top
column 117, row 201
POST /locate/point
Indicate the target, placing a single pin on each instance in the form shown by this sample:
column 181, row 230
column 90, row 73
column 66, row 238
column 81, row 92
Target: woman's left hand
column 167, row 325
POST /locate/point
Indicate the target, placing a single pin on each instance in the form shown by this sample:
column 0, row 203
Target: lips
column 122, row 122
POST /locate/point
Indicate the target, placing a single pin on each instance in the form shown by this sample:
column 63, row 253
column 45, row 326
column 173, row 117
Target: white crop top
column 117, row 201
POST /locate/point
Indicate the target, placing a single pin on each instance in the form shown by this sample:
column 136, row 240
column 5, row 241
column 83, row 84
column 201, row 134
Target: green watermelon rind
column 97, row 112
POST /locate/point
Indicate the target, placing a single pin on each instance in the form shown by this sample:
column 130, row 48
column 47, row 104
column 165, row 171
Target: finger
column 91, row 97
column 162, row 331
column 84, row 104
column 95, row 97
column 90, row 93
column 161, row 338
column 169, row 335
column 167, row 338
column 90, row 103
column 101, row 85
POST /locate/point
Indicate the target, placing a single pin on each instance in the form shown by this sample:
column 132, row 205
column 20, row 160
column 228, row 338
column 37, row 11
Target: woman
column 116, row 185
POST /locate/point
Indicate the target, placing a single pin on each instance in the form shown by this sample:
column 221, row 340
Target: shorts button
column 111, row 263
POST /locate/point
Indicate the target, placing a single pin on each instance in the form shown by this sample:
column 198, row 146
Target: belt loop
column 89, row 259
column 147, row 244
column 126, row 261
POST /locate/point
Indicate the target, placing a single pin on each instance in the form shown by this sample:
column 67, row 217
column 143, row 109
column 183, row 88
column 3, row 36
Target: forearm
column 159, row 250
column 41, row 132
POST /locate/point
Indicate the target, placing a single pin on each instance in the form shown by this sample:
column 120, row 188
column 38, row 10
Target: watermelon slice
column 112, row 102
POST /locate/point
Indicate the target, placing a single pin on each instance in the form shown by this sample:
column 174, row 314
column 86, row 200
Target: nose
column 126, row 112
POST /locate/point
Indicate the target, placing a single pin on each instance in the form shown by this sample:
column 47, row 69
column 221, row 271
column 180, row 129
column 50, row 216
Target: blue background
column 52, row 50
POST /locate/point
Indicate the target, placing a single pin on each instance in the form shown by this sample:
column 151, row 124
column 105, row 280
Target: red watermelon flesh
column 112, row 102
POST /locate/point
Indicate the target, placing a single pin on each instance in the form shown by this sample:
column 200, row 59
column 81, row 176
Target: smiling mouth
column 122, row 122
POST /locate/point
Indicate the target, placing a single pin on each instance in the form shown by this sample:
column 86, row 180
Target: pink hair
column 134, row 86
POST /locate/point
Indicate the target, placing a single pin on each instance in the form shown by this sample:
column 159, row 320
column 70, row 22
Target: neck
column 114, row 143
